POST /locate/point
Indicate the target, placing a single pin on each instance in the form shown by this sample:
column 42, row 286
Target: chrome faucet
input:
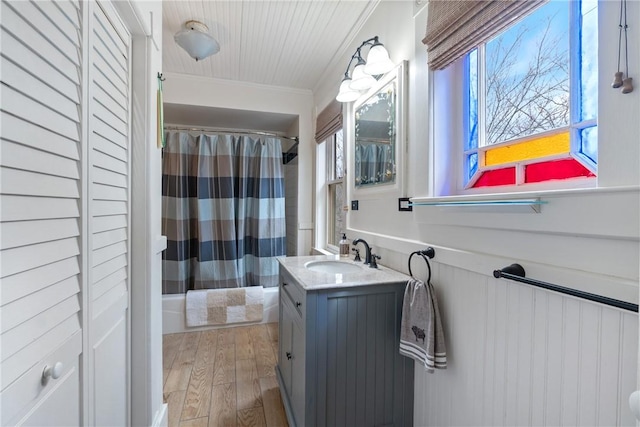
column 367, row 254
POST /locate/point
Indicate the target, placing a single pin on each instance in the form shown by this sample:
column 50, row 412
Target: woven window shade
column 329, row 121
column 455, row 27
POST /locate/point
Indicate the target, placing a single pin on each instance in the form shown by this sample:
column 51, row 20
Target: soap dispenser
column 344, row 246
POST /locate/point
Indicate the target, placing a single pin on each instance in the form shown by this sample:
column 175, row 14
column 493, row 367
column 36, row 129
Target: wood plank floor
column 223, row 377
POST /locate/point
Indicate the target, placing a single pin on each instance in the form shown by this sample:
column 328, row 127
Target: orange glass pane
column 549, row 145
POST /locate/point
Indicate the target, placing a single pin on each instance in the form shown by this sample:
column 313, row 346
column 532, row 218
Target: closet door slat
column 24, row 233
column 22, row 132
column 25, row 258
column 18, row 156
column 106, row 238
column 23, row 284
column 19, row 208
column 109, row 163
column 107, row 192
column 39, row 184
column 105, row 223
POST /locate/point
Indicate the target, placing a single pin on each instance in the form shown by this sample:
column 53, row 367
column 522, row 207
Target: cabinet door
column 298, row 373
column 286, row 333
column 362, row 378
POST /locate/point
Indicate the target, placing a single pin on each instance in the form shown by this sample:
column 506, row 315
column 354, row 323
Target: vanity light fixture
column 362, row 77
column 195, row 39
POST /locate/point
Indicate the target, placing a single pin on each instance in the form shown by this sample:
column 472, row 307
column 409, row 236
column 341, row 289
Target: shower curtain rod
column 240, row 132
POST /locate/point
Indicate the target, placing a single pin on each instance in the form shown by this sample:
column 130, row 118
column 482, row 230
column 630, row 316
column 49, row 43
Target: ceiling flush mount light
column 195, row 39
column 362, row 77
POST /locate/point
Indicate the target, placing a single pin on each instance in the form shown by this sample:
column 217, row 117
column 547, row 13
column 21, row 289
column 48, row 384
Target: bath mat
column 224, row 306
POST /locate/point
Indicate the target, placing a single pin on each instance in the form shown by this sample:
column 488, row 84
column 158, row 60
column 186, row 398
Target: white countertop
column 313, row 280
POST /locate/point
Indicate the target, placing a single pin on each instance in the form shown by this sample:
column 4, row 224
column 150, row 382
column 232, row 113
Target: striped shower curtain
column 222, row 211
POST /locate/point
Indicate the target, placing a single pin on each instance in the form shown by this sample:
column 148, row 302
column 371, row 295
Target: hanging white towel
column 421, row 336
column 224, row 306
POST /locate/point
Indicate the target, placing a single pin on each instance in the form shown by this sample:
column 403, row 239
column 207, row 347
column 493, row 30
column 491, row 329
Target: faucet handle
column 373, row 263
column 357, row 257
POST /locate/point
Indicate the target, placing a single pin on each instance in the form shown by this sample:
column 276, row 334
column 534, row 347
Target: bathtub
column 174, row 318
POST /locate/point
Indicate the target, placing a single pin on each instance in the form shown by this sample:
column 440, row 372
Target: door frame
column 144, row 22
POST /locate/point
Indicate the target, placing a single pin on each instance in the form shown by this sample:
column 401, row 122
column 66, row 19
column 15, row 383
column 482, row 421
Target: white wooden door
column 64, row 194
column 40, row 213
column 108, row 214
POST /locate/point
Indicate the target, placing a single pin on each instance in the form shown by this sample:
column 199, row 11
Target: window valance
column 455, row 27
column 329, row 121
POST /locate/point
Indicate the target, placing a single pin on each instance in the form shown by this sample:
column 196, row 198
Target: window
column 531, row 96
column 336, row 216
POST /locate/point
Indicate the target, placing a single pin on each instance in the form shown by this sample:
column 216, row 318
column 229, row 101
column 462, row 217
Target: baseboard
column 162, row 417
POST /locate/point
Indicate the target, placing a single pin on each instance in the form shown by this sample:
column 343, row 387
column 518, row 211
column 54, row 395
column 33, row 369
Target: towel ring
column 425, row 254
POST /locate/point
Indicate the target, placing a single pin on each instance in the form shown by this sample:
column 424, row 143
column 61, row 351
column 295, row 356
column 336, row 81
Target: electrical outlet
column 354, row 205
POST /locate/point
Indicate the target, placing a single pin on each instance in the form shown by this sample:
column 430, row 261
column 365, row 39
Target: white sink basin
column 333, row 267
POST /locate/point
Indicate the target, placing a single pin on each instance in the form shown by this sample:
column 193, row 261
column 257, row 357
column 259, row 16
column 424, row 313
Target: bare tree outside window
column 527, row 76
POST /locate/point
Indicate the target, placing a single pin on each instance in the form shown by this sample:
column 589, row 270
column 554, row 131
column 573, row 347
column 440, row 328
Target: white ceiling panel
column 288, row 43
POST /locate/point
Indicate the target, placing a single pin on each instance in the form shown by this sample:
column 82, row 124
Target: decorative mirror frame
column 396, row 189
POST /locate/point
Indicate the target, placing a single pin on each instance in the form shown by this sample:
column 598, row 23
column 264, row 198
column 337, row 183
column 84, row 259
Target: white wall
column 587, row 240
column 291, row 205
column 208, row 92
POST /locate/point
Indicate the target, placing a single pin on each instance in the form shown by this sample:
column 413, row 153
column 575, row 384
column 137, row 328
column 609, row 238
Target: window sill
column 530, row 202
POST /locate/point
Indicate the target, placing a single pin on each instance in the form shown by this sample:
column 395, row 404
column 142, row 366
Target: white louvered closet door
column 41, row 211
column 65, row 213
column 109, row 216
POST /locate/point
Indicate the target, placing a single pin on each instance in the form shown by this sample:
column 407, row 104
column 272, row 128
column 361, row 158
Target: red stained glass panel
column 491, row 178
column 557, row 169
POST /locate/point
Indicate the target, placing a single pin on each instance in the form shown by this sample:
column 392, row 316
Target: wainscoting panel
column 518, row 355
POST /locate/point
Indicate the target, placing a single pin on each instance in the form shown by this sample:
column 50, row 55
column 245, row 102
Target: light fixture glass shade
column 346, row 94
column 361, row 80
column 195, row 39
column 378, row 61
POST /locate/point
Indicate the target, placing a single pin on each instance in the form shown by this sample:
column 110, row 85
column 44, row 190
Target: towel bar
column 516, row 272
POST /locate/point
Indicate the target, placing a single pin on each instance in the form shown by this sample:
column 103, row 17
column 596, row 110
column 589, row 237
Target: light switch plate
column 404, row 204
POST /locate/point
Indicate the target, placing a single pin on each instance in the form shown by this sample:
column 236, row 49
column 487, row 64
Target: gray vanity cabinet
column 339, row 363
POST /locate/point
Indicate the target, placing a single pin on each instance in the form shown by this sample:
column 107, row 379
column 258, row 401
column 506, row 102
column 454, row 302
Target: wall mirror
column 378, row 123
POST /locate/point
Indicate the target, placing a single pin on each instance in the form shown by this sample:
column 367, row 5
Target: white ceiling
column 289, row 43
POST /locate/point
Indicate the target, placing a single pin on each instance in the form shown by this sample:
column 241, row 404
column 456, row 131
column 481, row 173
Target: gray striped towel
column 421, row 336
